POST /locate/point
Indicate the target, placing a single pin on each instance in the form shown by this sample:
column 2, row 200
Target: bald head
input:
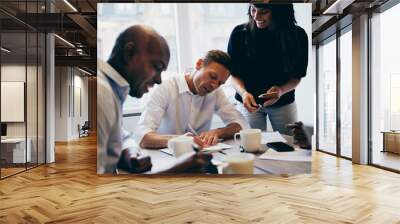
column 140, row 54
column 139, row 37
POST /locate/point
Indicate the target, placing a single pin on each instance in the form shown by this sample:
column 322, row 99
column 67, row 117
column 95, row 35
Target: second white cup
column 240, row 163
column 180, row 145
column 250, row 139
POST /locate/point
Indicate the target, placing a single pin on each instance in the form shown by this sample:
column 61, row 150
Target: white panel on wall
column 77, row 112
column 12, row 101
column 305, row 91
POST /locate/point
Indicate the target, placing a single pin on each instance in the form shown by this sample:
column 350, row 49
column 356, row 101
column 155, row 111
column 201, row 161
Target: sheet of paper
column 217, row 147
column 167, row 151
column 299, row 155
column 214, row 148
column 267, row 137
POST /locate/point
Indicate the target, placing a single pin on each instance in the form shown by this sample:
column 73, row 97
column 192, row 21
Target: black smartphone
column 265, row 96
column 280, row 146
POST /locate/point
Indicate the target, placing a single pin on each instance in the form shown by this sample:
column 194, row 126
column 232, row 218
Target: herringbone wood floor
column 69, row 191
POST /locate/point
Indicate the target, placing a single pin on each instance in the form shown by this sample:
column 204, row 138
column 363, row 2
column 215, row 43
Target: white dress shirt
column 172, row 107
column 112, row 90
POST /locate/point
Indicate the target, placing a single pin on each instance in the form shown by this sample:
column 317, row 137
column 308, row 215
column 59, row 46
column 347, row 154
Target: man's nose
column 215, row 85
column 157, row 79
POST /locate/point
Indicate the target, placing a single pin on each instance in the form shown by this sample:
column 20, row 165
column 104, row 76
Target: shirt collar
column 118, row 83
column 183, row 85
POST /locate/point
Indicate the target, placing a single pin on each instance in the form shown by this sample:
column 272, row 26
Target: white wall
column 61, row 103
column 71, row 94
column 80, row 110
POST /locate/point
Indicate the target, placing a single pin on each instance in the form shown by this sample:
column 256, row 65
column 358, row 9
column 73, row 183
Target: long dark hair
column 282, row 15
column 283, row 25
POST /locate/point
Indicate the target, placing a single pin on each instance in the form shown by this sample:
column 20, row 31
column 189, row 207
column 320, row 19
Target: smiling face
column 145, row 69
column 262, row 17
column 209, row 77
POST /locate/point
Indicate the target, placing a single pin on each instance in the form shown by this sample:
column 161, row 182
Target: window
column 166, row 9
column 111, row 26
column 186, row 28
column 327, row 96
column 394, row 101
column 385, row 84
column 346, row 94
column 22, row 75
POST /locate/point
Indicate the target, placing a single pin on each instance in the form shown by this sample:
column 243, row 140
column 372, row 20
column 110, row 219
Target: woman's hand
column 249, row 102
column 272, row 95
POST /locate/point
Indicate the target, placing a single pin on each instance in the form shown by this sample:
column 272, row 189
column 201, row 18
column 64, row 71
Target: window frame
column 334, row 37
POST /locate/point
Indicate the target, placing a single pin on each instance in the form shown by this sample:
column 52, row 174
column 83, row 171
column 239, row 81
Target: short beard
column 135, row 91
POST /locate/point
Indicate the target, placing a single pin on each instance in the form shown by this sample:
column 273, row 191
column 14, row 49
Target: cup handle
column 234, row 137
column 169, row 145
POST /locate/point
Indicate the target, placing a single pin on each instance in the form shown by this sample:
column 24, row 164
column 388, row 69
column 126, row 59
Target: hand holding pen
column 197, row 140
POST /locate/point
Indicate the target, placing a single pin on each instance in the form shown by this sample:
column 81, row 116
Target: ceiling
column 76, row 25
column 75, row 21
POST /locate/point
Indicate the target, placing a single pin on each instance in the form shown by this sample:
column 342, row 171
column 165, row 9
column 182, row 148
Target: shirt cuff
column 140, row 132
column 242, row 124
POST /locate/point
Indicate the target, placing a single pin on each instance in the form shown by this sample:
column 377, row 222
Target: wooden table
column 162, row 161
column 391, row 141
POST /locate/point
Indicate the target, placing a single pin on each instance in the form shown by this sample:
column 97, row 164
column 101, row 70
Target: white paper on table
column 168, row 151
column 267, row 137
column 215, row 148
column 299, row 155
column 218, row 147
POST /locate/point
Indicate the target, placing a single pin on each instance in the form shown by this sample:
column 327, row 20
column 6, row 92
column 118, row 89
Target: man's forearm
column 289, row 86
column 228, row 131
column 154, row 140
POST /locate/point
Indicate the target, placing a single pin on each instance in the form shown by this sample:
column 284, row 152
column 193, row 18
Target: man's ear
column 129, row 51
column 199, row 64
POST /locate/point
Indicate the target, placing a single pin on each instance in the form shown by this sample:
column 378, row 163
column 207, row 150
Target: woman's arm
column 275, row 92
column 248, row 100
column 290, row 85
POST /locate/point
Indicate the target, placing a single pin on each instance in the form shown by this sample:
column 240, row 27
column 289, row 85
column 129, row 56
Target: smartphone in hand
column 266, row 96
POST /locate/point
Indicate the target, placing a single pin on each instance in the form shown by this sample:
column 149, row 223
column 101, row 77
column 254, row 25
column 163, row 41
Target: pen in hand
column 198, row 142
column 192, row 130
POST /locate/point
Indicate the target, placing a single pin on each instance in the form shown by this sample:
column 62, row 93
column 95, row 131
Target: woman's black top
column 259, row 59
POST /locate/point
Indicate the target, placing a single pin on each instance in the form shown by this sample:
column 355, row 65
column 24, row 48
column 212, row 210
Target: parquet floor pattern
column 69, row 191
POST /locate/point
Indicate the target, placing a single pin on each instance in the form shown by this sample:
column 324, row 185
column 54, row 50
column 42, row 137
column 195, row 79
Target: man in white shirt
column 186, row 104
column 136, row 62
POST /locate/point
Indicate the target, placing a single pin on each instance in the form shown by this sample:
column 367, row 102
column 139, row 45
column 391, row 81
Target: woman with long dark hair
column 270, row 56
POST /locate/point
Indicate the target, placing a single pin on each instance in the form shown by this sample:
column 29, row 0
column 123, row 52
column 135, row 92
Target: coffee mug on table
column 250, row 139
column 240, row 163
column 180, row 145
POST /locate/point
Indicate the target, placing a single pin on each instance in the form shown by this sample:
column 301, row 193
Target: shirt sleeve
column 128, row 142
column 234, row 51
column 154, row 111
column 302, row 56
column 106, row 121
column 227, row 111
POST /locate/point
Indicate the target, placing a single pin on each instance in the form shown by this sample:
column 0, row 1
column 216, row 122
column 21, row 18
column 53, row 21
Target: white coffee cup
column 250, row 139
column 239, row 163
column 180, row 145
